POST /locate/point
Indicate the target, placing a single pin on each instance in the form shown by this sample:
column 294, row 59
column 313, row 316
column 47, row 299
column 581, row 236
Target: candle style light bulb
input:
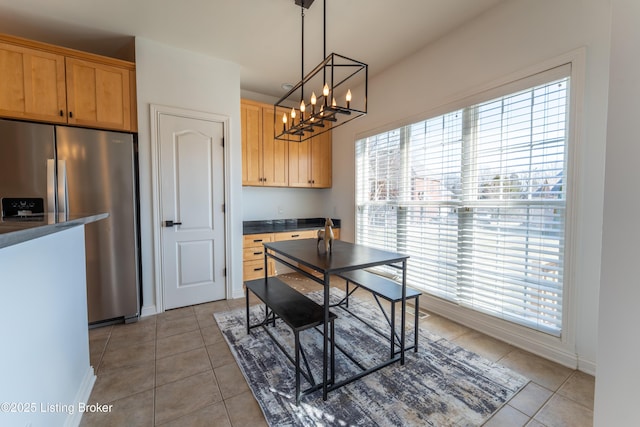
column 284, row 122
column 293, row 117
column 325, row 92
column 313, row 103
column 302, row 109
column 333, row 103
column 348, row 97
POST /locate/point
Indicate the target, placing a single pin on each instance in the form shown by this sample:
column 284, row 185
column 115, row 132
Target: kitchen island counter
column 14, row 231
column 44, row 289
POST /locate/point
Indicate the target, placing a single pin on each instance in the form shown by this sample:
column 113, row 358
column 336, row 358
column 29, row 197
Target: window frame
column 560, row 349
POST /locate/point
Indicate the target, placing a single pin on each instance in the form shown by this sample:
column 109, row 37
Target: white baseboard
column 587, row 366
column 148, row 310
column 539, row 344
column 82, row 396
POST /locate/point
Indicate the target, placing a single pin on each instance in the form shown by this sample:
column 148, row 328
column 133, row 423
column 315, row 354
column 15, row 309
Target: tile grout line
column 155, row 370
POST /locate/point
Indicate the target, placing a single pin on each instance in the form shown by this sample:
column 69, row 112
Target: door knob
column 171, row 223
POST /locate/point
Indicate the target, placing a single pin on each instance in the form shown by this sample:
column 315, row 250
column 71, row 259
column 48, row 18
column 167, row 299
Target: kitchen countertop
column 279, row 225
column 13, row 232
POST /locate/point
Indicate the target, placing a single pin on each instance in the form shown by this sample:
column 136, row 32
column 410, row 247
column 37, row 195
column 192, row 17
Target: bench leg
column 297, row 359
column 393, row 329
column 247, row 301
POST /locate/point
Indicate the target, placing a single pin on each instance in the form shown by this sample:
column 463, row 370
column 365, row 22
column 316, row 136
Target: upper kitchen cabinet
column 264, row 159
column 98, row 95
column 32, row 85
column 310, row 162
column 267, row 161
column 46, row 83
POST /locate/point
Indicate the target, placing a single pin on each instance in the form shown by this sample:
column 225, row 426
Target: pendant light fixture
column 341, row 87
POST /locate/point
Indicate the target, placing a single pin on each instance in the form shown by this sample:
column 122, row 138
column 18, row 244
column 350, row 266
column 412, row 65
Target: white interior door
column 192, row 198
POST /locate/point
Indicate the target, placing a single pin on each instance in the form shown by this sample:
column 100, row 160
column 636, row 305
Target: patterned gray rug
column 441, row 385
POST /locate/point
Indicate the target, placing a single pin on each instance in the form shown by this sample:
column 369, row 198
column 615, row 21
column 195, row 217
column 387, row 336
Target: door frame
column 155, row 111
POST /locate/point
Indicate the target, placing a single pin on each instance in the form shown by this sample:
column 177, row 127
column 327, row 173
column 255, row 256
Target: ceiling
column 262, row 36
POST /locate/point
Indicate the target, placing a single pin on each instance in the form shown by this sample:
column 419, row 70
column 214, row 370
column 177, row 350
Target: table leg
column 404, row 310
column 325, row 347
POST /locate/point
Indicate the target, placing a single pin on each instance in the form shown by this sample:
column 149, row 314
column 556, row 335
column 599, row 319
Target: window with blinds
column 477, row 199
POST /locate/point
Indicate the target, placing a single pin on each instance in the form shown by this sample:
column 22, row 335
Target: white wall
column 616, row 402
column 282, row 203
column 514, row 36
column 178, row 78
column 45, row 341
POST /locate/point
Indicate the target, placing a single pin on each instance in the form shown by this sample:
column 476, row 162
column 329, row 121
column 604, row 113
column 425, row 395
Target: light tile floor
column 175, row 369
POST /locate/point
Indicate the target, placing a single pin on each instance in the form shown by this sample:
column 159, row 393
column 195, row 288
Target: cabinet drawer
column 253, row 253
column 294, row 235
column 256, row 240
column 255, row 269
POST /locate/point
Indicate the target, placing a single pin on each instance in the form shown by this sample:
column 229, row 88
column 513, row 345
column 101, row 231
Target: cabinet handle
column 71, row 114
column 295, row 235
column 61, row 113
column 258, row 269
column 258, row 253
column 257, row 240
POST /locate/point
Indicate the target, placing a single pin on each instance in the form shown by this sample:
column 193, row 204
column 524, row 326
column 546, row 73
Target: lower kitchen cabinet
column 295, row 235
column 253, row 250
column 253, row 256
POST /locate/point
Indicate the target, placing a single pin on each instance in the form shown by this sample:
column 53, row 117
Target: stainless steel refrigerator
column 78, row 171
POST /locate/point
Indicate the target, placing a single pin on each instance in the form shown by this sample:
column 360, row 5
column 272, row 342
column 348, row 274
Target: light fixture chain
column 302, row 54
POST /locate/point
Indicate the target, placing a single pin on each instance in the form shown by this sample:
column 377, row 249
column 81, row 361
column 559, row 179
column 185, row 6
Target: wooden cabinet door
column 98, row 95
column 299, row 165
column 310, row 162
column 32, row 84
column 270, row 162
column 275, row 153
column 251, row 123
column 321, row 161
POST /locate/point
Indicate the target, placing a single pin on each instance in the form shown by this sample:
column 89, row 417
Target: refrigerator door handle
column 63, row 200
column 51, row 186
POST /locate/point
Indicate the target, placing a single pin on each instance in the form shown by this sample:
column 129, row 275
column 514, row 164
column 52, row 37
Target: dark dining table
column 306, row 257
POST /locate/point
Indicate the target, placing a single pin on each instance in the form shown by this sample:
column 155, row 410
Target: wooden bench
column 298, row 312
column 386, row 289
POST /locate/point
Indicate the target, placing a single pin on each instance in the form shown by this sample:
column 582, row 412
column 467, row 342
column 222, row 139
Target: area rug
column 441, row 385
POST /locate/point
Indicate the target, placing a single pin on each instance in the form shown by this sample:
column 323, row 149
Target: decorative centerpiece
column 326, row 235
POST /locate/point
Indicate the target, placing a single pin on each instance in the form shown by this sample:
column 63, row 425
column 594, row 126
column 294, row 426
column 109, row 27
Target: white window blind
column 477, row 199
